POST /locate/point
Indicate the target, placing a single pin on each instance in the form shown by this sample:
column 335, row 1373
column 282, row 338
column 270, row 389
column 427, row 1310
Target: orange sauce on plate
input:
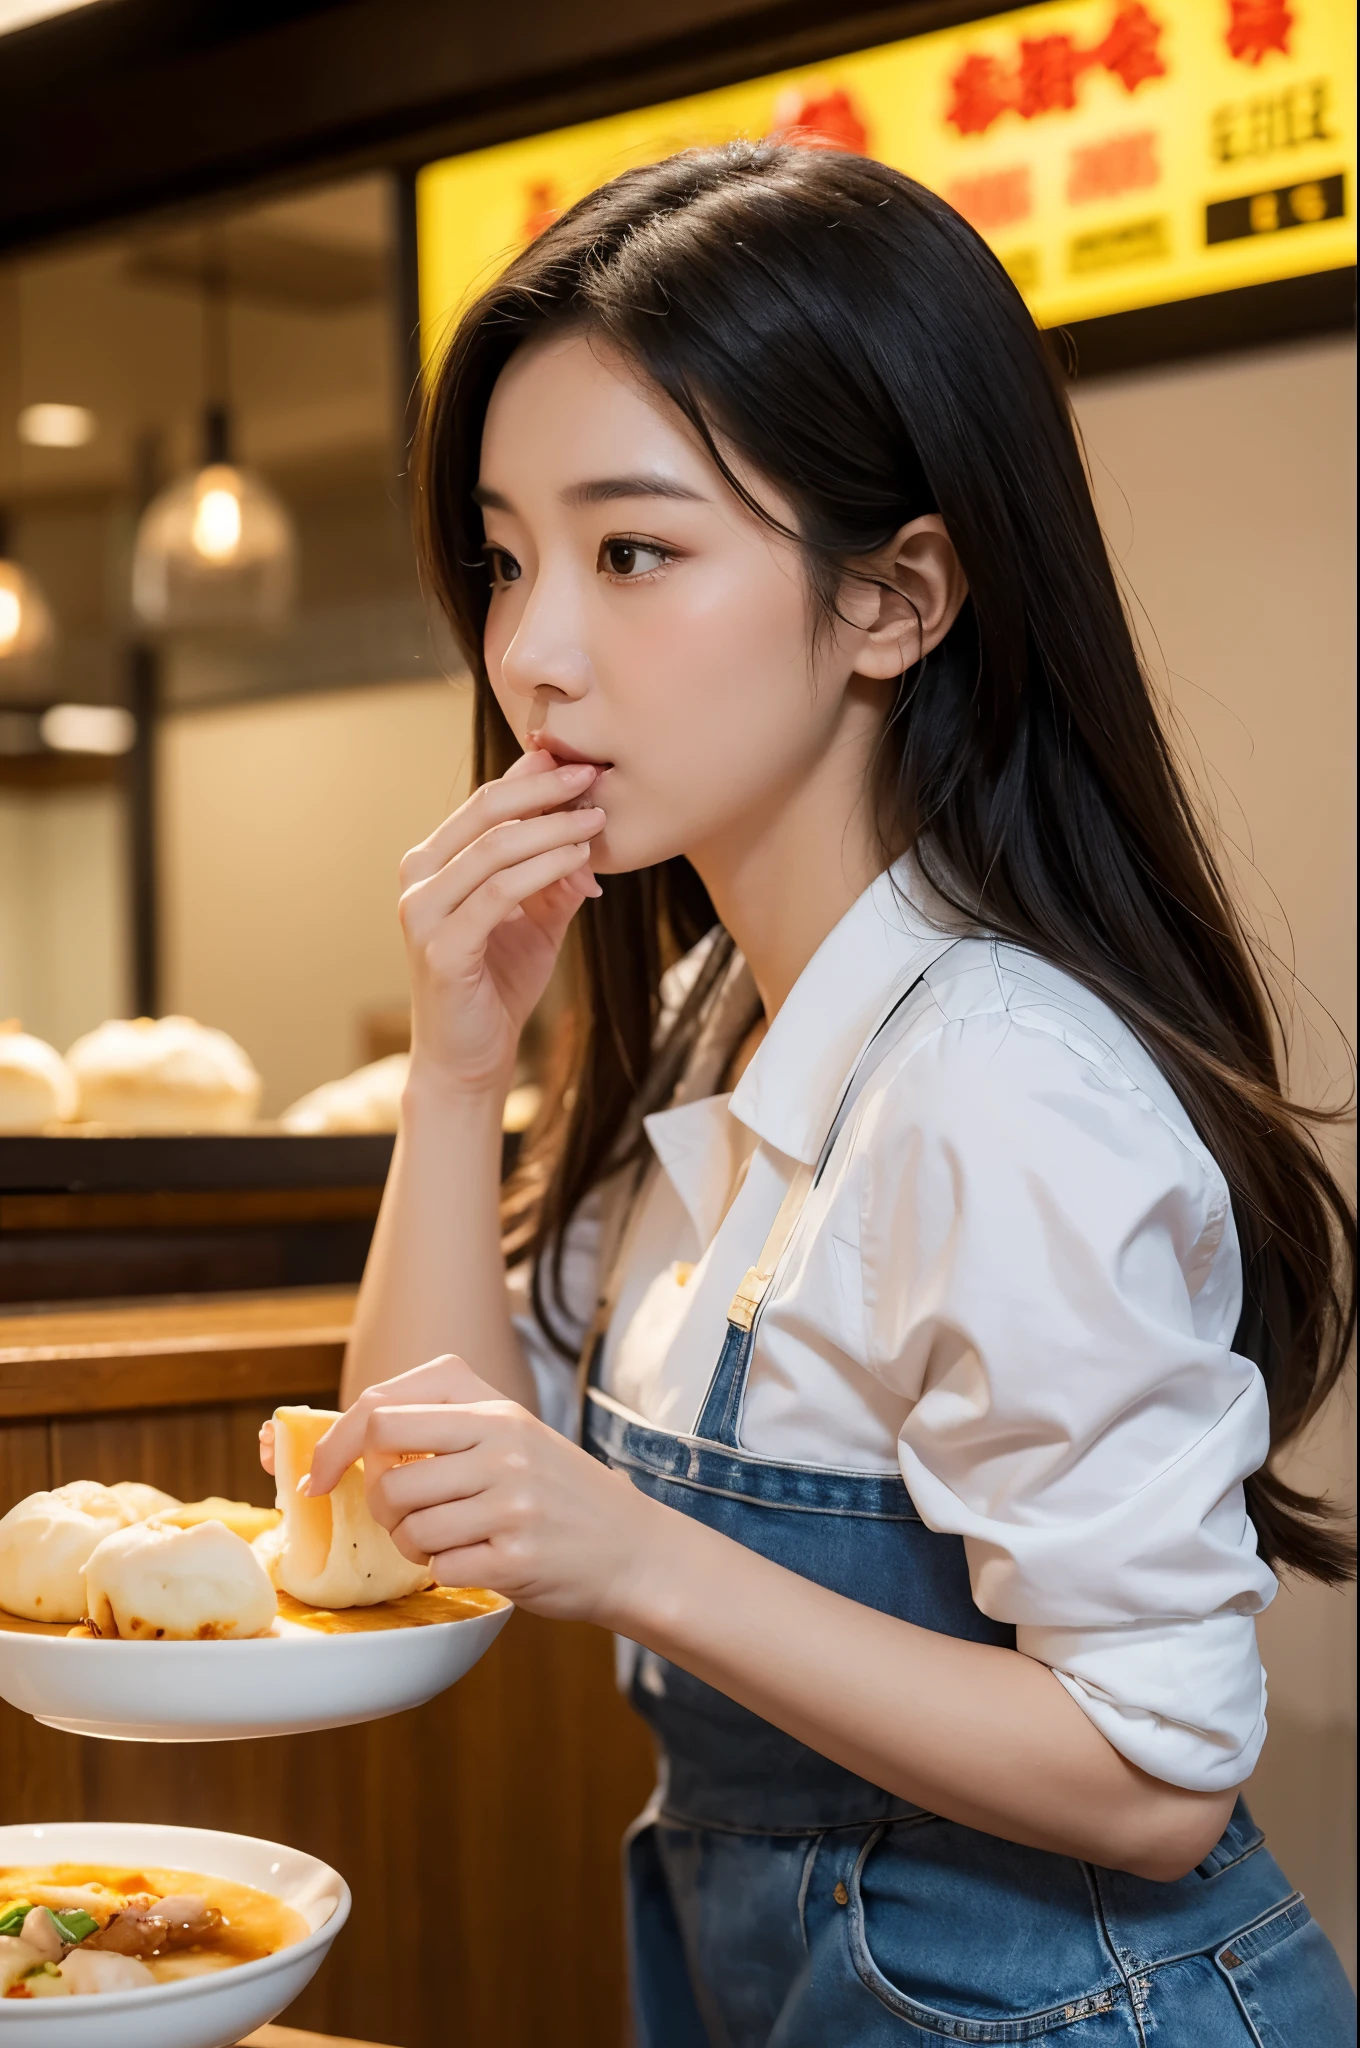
column 413, row 1610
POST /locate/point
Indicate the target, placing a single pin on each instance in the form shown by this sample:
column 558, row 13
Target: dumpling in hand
column 333, row 1553
column 45, row 1542
column 154, row 1582
column 142, row 1501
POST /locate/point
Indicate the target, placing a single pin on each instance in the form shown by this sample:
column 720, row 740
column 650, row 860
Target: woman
column 944, row 1258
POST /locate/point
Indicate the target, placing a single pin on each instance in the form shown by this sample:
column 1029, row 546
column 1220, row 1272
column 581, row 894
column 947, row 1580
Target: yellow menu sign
column 1115, row 153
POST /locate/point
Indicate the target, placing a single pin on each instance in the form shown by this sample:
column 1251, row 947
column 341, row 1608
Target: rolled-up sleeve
column 554, row 1372
column 1051, row 1275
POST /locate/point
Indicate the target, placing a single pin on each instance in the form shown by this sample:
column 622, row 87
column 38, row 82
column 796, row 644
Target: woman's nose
column 545, row 654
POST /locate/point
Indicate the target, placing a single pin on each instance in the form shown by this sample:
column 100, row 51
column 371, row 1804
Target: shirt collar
column 790, row 1092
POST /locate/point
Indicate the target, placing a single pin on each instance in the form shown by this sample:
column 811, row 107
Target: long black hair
column 858, row 345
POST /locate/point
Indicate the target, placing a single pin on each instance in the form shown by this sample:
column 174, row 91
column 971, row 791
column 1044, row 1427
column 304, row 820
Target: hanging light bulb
column 216, row 548
column 26, row 629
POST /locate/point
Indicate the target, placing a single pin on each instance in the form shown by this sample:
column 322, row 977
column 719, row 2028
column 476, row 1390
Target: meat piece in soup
column 75, row 1930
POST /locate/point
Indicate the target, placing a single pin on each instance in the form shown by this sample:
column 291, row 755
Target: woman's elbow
column 1169, row 1832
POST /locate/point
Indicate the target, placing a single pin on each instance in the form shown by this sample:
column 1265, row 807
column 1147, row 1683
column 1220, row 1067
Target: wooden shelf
column 183, row 1352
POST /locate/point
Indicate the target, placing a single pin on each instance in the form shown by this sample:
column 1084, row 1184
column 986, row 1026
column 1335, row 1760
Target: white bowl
column 284, row 1684
column 201, row 2012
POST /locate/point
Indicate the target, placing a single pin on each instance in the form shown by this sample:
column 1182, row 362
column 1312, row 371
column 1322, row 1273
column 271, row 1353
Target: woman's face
column 643, row 619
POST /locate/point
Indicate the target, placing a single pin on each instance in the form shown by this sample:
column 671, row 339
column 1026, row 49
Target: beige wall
column 1227, row 492
column 64, row 945
column 281, row 826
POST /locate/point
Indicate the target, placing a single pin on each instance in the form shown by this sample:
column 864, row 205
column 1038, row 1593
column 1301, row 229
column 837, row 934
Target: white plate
column 284, row 1684
column 202, row 2012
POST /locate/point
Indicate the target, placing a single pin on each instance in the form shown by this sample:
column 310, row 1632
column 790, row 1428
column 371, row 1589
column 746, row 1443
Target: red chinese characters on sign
column 997, row 200
column 1106, row 170
column 1046, row 77
column 981, row 95
column 1256, row 27
column 1047, row 70
column 826, row 120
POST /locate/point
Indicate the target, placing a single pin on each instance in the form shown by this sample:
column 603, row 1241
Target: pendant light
column 216, row 550
column 26, row 630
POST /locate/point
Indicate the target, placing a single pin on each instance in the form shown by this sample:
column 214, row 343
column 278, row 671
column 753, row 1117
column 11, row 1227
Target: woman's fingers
column 533, row 785
column 440, row 1381
column 426, row 903
column 451, row 1525
column 475, row 1565
column 424, row 1481
column 464, row 936
column 267, row 1447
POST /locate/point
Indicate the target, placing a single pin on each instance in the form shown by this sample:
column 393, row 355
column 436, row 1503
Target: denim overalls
column 776, row 1900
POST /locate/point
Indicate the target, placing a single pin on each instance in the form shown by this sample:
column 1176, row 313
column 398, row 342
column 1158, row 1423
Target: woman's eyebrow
column 601, row 490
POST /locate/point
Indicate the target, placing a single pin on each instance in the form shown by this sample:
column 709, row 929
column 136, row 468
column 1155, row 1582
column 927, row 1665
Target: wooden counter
column 186, row 1352
column 294, row 2037
column 479, row 1833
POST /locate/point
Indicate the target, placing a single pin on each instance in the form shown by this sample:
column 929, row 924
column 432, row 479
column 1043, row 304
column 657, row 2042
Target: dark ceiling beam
column 131, row 107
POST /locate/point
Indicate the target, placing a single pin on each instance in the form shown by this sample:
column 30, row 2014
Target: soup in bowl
column 140, row 1936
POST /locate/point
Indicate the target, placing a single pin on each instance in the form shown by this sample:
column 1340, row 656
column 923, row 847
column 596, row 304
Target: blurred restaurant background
column 228, row 238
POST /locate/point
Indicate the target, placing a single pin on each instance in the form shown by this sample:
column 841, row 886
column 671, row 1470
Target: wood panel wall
column 479, row 1834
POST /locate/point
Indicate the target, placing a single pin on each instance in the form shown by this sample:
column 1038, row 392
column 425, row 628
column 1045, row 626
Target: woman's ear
column 899, row 602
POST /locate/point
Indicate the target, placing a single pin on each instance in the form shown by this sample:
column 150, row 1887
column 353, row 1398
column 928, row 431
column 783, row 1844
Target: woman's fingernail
column 578, row 772
column 304, row 1484
column 594, row 889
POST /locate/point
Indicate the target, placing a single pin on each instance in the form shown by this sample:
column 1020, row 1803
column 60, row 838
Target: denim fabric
column 855, row 1532
column 776, row 1900
column 922, row 1933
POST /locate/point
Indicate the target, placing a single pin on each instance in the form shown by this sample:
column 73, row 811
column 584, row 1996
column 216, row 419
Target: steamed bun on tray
column 163, row 1074
column 367, row 1100
column 332, row 1553
column 36, row 1087
column 156, row 1583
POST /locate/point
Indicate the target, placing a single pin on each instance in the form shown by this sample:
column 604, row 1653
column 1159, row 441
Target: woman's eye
column 631, row 559
column 504, row 568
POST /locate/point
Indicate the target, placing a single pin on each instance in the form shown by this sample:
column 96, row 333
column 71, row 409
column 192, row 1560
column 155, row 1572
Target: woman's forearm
column 979, row 1734
column 435, row 1277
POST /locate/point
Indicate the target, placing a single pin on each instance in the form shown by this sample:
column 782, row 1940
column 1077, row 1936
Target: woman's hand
column 485, row 905
column 491, row 1495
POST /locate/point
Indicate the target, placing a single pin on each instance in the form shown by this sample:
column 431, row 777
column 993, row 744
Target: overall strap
column 746, row 1301
column 749, row 1296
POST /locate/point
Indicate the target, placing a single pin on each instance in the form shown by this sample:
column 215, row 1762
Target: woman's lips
column 565, row 755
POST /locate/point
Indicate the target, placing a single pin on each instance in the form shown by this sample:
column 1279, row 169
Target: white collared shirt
column 1017, row 1283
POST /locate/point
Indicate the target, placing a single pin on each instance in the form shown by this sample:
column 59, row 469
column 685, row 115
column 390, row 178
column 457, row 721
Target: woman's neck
column 781, row 879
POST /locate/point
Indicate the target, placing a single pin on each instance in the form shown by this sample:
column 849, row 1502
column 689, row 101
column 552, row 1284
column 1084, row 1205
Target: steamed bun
column 35, row 1083
column 239, row 1515
column 142, row 1501
column 332, row 1553
column 163, row 1074
column 367, row 1100
column 155, row 1582
column 45, row 1542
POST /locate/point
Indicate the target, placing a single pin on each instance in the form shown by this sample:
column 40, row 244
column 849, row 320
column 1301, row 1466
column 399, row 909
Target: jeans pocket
column 968, row 1938
column 1288, row 1981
